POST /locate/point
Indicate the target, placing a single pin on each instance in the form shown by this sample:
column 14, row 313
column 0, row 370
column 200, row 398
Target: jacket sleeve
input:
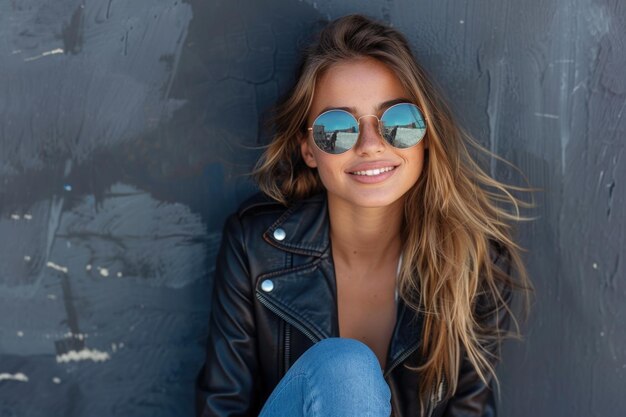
column 473, row 398
column 226, row 385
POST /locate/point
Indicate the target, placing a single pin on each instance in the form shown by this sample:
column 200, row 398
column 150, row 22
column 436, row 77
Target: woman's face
column 362, row 85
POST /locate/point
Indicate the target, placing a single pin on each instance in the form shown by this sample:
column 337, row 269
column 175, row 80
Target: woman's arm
column 226, row 384
column 473, row 397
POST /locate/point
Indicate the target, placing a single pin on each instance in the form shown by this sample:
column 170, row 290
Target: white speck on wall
column 52, row 297
column 121, row 345
column 88, row 267
column 104, row 272
column 57, row 267
column 56, row 380
column 461, row 21
column 594, row 265
column 28, row 216
column 83, row 355
column 15, row 216
column 68, row 244
column 27, row 258
column 119, row 275
column 601, row 334
column 20, row 333
column 13, row 377
column 113, row 347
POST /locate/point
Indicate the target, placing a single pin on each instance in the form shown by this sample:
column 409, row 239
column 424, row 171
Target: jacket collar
column 304, row 229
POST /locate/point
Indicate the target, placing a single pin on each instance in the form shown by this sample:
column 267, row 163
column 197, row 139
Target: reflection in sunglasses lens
column 335, row 131
column 403, row 125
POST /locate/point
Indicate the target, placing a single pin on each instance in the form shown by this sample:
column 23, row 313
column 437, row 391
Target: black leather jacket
column 274, row 296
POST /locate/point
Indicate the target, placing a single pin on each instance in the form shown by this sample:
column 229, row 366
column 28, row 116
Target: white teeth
column 372, row 172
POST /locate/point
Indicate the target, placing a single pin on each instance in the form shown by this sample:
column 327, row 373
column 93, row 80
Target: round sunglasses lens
column 403, row 125
column 335, row 131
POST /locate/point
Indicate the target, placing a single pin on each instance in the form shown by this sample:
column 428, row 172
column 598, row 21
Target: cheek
column 329, row 168
column 415, row 162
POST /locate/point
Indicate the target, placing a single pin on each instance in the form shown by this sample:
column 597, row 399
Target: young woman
column 374, row 274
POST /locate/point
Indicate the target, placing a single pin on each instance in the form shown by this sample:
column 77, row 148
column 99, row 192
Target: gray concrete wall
column 126, row 130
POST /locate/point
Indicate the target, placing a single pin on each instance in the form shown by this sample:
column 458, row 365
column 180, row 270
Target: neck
column 365, row 236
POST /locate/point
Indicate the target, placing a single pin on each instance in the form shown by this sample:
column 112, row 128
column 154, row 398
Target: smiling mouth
column 374, row 172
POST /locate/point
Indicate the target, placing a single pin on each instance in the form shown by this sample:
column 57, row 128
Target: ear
column 307, row 152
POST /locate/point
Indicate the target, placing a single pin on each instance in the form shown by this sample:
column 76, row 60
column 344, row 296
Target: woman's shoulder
column 259, row 204
column 256, row 212
column 261, row 228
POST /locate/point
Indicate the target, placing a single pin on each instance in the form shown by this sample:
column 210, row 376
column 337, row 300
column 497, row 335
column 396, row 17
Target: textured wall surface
column 126, row 132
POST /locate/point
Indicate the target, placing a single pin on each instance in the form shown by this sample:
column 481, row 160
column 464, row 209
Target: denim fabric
column 336, row 377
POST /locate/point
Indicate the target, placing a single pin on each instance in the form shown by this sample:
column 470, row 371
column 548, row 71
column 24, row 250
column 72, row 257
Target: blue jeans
column 336, row 377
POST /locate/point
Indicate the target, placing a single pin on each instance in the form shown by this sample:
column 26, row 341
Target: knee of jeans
column 343, row 355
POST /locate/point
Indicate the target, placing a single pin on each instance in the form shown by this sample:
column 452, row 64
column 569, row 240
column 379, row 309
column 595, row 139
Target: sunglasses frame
column 358, row 124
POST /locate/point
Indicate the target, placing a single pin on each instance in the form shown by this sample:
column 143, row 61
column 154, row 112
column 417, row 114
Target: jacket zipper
column 287, row 345
column 267, row 303
column 401, row 358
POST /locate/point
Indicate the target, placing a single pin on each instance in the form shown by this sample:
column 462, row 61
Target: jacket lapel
column 406, row 336
column 304, row 295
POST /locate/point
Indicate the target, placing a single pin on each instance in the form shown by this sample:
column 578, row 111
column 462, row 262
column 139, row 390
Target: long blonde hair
column 453, row 219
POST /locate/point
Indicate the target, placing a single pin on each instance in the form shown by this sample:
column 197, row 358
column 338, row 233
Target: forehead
column 361, row 83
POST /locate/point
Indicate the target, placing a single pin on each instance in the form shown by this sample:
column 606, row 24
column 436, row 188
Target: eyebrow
column 381, row 106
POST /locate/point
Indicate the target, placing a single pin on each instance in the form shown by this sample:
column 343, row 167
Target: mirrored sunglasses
column 337, row 131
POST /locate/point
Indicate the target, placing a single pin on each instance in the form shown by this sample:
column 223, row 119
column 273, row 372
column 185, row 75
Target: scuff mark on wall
column 43, row 54
column 56, row 267
column 497, row 75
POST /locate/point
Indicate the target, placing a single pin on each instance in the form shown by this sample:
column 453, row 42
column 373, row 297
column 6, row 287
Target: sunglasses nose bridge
column 367, row 115
column 370, row 115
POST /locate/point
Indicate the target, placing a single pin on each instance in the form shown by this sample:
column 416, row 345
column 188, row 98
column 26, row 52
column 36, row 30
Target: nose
column 370, row 141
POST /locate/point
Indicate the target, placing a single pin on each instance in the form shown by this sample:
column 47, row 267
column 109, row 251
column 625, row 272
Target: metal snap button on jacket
column 279, row 234
column 267, row 285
